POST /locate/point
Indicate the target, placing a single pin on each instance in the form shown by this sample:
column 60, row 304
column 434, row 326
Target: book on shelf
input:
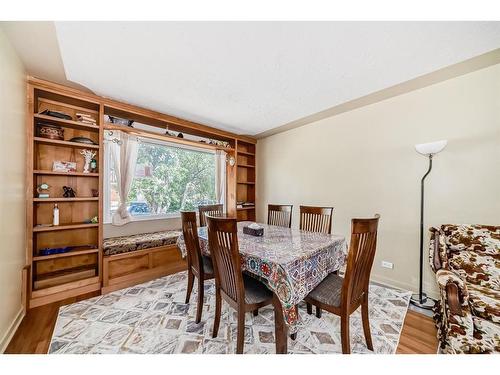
column 83, row 115
column 244, row 204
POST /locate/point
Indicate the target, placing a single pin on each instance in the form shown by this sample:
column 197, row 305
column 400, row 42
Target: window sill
column 149, row 218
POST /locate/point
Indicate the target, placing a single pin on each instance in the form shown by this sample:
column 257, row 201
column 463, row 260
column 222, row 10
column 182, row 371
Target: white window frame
column 107, row 187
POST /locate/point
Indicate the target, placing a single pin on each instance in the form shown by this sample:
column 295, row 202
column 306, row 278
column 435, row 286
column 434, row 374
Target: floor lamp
column 429, row 150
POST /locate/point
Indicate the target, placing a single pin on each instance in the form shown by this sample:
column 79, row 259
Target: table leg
column 280, row 328
column 293, row 336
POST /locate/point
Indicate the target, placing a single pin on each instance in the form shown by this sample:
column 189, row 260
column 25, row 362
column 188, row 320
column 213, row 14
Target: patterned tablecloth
column 290, row 262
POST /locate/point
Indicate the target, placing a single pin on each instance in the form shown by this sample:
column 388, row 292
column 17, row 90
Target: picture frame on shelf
column 64, row 166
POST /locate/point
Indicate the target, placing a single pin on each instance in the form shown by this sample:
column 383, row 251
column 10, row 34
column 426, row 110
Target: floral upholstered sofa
column 466, row 260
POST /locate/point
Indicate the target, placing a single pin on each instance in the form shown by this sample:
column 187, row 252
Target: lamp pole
column 420, row 299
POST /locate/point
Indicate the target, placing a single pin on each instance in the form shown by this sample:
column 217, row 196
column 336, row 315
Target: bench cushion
column 126, row 244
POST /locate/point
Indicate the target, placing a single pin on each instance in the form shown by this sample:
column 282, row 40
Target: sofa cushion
column 481, row 238
column 486, row 337
column 484, row 302
column 476, row 268
column 126, row 244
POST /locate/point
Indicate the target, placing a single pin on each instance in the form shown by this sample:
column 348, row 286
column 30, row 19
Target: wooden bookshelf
column 245, row 180
column 58, row 276
column 55, row 277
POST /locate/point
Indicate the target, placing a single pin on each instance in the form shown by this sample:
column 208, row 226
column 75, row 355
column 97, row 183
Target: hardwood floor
column 418, row 335
column 34, row 333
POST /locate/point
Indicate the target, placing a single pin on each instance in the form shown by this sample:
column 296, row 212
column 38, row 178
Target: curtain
column 124, row 157
column 220, row 177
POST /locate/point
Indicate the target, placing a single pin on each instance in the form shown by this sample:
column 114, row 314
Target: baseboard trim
column 12, row 329
column 401, row 285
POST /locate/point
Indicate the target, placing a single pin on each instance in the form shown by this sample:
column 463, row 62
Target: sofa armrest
column 454, row 292
column 438, row 257
column 452, row 314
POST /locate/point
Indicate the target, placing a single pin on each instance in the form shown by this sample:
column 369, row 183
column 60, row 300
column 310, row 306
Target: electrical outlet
column 386, row 264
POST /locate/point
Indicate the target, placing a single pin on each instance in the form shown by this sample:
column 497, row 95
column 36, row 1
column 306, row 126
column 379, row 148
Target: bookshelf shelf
column 69, row 174
column 65, row 123
column 55, row 142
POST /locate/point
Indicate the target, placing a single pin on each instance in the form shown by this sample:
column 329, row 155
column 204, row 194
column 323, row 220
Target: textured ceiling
column 250, row 77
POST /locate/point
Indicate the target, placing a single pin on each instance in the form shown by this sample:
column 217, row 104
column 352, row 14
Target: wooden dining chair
column 242, row 292
column 199, row 266
column 280, row 215
column 209, row 209
column 342, row 296
column 316, row 219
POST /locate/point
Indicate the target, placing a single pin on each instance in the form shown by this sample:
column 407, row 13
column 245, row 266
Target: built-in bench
column 130, row 260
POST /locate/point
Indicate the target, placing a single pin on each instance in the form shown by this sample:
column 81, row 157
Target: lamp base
column 424, row 303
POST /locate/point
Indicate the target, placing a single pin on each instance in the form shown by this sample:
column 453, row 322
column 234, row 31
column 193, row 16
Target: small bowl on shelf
column 50, row 131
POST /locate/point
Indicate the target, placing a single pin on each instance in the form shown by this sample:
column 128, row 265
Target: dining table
column 288, row 261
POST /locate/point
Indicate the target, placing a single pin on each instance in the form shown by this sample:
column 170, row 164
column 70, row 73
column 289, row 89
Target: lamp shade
column 431, row 147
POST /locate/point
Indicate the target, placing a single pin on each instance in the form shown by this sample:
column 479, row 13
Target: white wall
column 363, row 162
column 12, row 182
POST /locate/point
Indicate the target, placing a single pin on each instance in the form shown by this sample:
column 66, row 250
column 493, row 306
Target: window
column 168, row 178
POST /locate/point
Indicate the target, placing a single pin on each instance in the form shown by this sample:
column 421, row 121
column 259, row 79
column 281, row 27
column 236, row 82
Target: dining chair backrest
column 223, row 244
column 316, row 219
column 280, row 215
column 209, row 209
column 190, row 234
column 360, row 259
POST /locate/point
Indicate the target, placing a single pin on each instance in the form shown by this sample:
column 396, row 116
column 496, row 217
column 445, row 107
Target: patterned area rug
column 152, row 318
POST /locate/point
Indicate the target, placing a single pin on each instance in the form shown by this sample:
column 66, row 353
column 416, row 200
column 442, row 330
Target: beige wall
column 12, row 199
column 363, row 162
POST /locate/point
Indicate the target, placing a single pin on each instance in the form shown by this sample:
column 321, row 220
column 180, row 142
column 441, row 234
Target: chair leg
column 318, row 312
column 218, row 309
column 309, row 308
column 344, row 333
column 256, row 312
column 190, row 285
column 201, row 290
column 366, row 324
column 241, row 332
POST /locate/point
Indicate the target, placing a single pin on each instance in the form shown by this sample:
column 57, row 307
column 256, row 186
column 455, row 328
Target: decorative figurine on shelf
column 95, row 193
column 170, row 134
column 55, row 216
column 43, row 190
column 93, row 220
column 68, row 192
column 93, row 166
column 180, row 135
column 231, row 160
column 88, row 155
